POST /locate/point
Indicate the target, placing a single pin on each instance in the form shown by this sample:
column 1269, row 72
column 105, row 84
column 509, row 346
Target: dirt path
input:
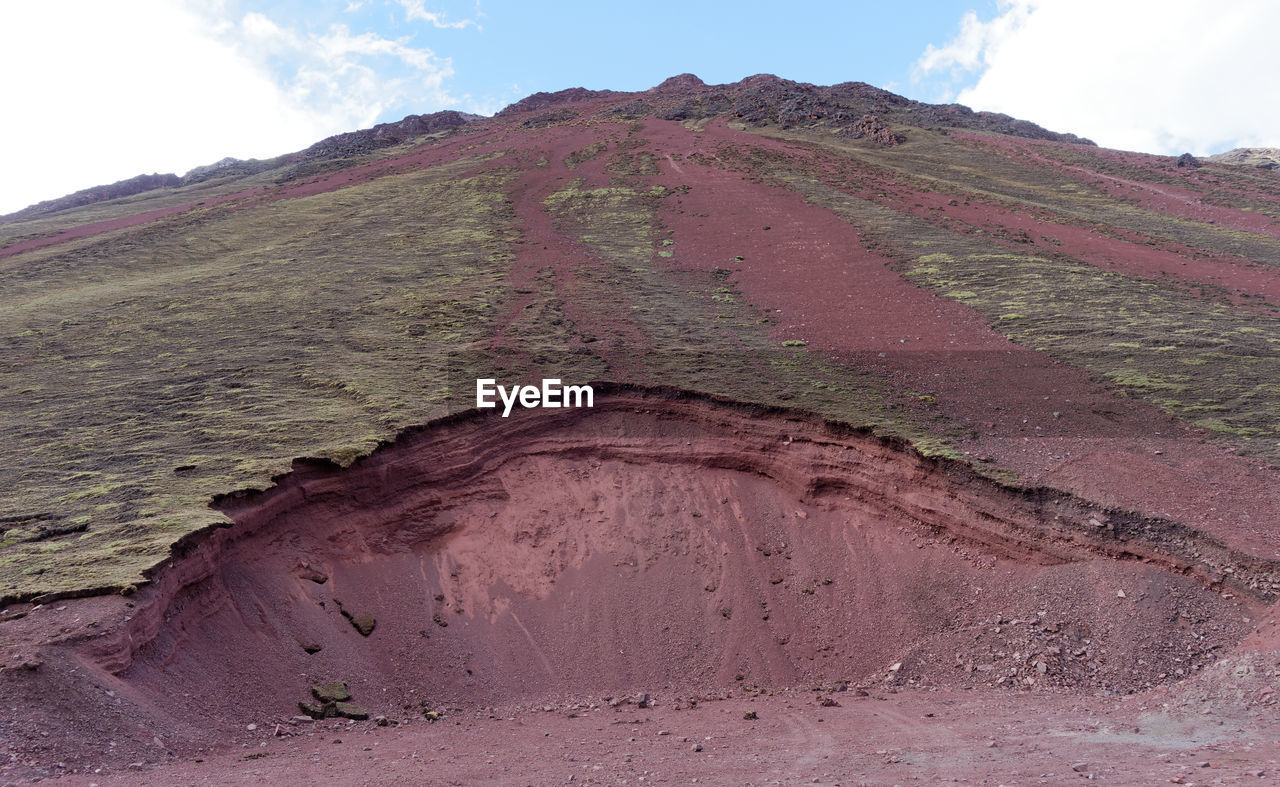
column 882, row 738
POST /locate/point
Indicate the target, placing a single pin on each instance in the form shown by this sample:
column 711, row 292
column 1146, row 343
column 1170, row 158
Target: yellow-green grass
column 152, row 370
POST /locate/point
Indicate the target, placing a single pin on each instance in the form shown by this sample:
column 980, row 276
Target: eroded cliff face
column 663, row 542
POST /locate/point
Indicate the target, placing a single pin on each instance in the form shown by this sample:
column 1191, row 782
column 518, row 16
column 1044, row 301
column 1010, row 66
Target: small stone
column 1120, row 594
column 381, row 721
column 336, row 691
column 348, row 710
column 251, row 727
column 365, row 624
column 697, row 747
column 318, row 577
column 1080, row 767
column 750, row 716
column 314, row 711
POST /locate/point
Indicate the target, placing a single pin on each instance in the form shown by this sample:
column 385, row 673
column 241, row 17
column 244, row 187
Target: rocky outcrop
column 123, row 188
column 680, row 82
column 209, row 170
column 1263, row 158
column 870, row 127
column 383, row 135
column 538, row 101
column 765, row 99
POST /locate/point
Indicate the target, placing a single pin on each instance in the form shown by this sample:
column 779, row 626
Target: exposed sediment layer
column 663, row 538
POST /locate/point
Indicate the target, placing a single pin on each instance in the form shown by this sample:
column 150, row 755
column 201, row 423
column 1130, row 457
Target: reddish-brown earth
column 1163, row 197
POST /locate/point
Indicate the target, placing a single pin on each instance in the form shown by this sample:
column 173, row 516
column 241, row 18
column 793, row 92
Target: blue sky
column 99, row 91
column 503, row 50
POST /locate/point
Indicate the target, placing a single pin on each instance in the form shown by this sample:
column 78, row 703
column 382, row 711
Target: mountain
column 888, row 396
column 1264, row 158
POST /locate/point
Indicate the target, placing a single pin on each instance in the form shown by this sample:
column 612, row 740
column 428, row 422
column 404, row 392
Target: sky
column 94, row 92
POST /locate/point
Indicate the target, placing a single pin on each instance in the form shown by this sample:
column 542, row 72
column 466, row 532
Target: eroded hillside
column 1099, row 321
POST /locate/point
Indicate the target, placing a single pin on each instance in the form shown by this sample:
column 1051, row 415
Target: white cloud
column 350, row 79
column 416, row 11
column 1165, row 77
column 96, row 92
column 965, row 51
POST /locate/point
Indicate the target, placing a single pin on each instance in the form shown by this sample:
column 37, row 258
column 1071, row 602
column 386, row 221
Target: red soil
column 1043, row 233
column 887, row 737
column 1185, row 203
column 811, row 271
column 543, row 248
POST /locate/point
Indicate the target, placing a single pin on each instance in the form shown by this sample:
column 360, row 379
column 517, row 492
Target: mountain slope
column 1095, row 320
